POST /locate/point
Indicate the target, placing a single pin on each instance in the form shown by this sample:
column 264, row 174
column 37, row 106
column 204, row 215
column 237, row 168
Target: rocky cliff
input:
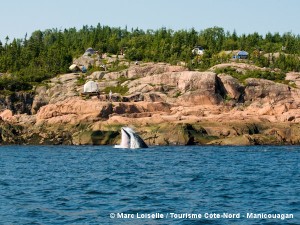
column 167, row 105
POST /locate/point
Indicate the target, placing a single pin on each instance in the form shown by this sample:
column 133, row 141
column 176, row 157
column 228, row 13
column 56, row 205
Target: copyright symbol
column 112, row 215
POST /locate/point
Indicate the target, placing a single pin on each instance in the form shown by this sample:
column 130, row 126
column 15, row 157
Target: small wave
column 196, row 178
column 144, row 197
column 93, row 192
column 3, row 183
column 107, row 179
column 293, row 203
column 225, row 196
column 132, row 185
column 125, row 199
column 62, row 199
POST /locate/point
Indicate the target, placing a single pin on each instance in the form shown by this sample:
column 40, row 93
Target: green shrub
column 117, row 67
column 81, row 80
column 226, row 70
column 177, row 94
column 268, row 75
column 117, row 89
column 14, row 84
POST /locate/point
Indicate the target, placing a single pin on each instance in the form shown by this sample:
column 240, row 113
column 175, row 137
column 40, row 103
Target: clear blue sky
column 18, row 17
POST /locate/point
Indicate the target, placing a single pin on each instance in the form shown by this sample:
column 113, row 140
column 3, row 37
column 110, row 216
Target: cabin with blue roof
column 241, row 55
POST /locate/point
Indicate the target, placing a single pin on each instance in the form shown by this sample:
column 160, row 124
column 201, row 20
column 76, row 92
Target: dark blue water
column 90, row 184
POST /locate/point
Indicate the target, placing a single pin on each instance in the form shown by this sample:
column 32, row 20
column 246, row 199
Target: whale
column 130, row 139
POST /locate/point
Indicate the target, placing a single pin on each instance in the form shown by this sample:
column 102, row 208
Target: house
column 241, row 55
column 89, row 52
column 198, row 50
column 90, row 87
column 74, row 68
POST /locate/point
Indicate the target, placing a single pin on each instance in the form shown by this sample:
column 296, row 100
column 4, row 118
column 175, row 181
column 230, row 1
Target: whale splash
column 130, row 139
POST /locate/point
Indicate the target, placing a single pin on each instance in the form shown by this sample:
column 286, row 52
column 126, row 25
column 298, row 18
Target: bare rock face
column 146, row 97
column 143, row 88
column 199, row 97
column 136, row 97
column 155, row 97
column 168, row 78
column 149, row 69
column 63, row 88
column 232, row 88
column 167, row 104
column 58, row 89
column 190, row 81
column 85, row 60
column 203, row 84
column 114, row 75
column 141, row 107
column 6, row 115
column 265, row 89
column 293, row 77
column 238, row 66
column 73, row 110
column 97, row 75
column 199, row 88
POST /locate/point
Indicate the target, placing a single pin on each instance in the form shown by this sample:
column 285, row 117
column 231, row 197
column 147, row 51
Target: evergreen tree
column 47, row 53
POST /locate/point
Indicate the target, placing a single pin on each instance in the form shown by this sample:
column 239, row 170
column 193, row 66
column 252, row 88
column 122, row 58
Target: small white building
column 90, row 87
column 198, row 50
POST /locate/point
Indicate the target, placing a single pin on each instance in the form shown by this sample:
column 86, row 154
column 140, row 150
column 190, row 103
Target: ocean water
column 158, row 185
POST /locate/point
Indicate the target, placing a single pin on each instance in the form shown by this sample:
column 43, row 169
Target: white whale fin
column 130, row 139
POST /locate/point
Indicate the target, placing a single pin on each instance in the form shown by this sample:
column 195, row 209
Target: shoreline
column 164, row 104
column 161, row 134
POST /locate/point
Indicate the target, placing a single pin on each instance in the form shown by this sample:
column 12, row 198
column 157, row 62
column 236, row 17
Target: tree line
column 50, row 52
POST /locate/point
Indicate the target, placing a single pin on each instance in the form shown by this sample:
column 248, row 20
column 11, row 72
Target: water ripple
column 83, row 185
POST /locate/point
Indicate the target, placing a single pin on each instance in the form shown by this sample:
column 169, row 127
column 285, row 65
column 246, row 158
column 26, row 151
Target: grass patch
column 267, row 75
column 116, row 67
column 177, row 94
column 94, row 69
column 116, row 89
column 81, row 80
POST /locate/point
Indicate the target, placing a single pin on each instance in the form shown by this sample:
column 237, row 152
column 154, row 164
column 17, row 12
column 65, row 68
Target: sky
column 18, row 17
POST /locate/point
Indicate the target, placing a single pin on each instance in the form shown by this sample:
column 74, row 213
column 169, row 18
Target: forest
column 44, row 54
